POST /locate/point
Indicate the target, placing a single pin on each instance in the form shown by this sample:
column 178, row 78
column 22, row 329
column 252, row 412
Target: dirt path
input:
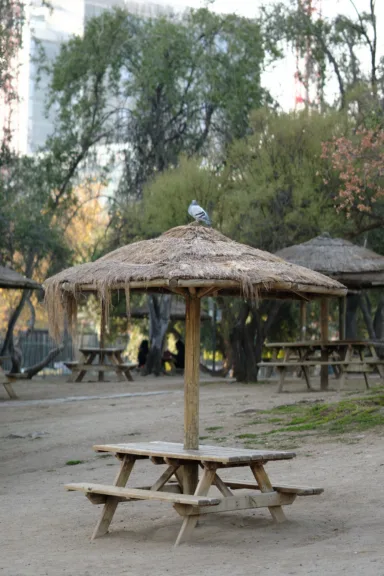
column 45, row 531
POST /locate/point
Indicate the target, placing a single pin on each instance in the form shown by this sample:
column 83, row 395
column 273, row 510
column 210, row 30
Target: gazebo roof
column 187, row 257
column 11, row 279
column 354, row 266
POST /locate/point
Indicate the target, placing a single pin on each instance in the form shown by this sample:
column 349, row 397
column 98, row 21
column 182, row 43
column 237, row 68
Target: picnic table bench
column 107, row 360
column 340, row 354
column 169, row 487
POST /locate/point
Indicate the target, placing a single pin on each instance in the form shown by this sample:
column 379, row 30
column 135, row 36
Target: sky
column 280, row 79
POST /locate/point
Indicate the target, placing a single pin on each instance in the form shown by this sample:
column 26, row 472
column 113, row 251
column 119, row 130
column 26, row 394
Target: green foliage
column 340, row 47
column 167, row 197
column 354, row 414
column 30, row 233
column 149, row 91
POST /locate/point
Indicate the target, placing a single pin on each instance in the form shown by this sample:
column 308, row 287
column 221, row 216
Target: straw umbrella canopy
column 11, row 279
column 192, row 261
column 355, row 266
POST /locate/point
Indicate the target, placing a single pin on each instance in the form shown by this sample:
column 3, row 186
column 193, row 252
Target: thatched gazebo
column 193, row 262
column 354, row 266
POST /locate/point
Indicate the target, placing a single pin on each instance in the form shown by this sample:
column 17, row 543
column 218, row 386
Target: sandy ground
column 45, row 530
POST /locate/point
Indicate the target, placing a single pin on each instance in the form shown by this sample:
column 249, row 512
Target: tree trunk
column 159, row 314
column 33, row 370
column 365, row 306
column 351, row 324
column 378, row 322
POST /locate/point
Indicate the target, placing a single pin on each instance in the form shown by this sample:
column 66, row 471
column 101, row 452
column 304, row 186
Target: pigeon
column 198, row 213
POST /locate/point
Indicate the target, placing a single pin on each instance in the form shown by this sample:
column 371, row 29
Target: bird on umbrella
column 198, row 213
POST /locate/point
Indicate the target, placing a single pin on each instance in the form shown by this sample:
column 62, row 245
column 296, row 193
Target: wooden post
column 324, row 380
column 303, row 320
column 102, row 338
column 342, row 316
column 191, row 388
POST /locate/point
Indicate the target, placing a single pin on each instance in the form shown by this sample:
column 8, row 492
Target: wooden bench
column 78, row 368
column 143, row 494
column 282, row 366
column 192, row 505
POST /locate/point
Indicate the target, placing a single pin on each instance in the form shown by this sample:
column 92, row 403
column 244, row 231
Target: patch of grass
column 203, row 437
column 220, row 439
column 247, row 436
column 213, row 428
column 74, row 462
column 349, row 415
column 104, row 455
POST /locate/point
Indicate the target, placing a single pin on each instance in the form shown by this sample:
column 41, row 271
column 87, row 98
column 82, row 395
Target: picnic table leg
column 281, row 371
column 82, row 373
column 116, row 361
column 265, row 485
column 361, row 354
column 111, row 503
column 305, row 370
column 343, row 368
column 202, row 489
column 379, row 367
column 126, row 373
column 10, row 391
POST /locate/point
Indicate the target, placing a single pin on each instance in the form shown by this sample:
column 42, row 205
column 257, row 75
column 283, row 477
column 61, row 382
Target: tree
column 12, row 18
column 270, row 193
column 153, row 89
column 336, row 46
column 359, row 162
column 147, row 91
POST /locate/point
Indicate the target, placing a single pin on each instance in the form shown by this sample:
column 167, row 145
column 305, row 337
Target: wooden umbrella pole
column 303, row 320
column 102, row 338
column 324, row 379
column 342, row 316
column 191, row 388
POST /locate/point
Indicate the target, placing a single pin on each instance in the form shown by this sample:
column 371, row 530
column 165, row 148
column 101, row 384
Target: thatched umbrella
column 193, row 262
column 355, row 266
column 11, row 279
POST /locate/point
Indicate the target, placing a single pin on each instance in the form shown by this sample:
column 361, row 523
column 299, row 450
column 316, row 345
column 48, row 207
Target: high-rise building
column 46, row 29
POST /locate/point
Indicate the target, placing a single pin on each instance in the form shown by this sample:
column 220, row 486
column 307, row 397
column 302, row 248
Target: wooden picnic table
column 171, row 487
column 345, row 356
column 101, row 360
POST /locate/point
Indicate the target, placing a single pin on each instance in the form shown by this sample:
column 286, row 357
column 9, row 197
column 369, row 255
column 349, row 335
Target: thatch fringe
column 184, row 254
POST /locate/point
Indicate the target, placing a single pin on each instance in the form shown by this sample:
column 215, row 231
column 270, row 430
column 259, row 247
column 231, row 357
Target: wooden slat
column 138, row 494
column 173, row 488
column 244, row 502
column 91, row 349
column 297, row 363
column 284, row 489
column 205, row 453
column 103, row 367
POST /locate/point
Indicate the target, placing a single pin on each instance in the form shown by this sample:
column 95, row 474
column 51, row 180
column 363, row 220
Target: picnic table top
column 323, row 344
column 204, row 453
column 95, row 349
